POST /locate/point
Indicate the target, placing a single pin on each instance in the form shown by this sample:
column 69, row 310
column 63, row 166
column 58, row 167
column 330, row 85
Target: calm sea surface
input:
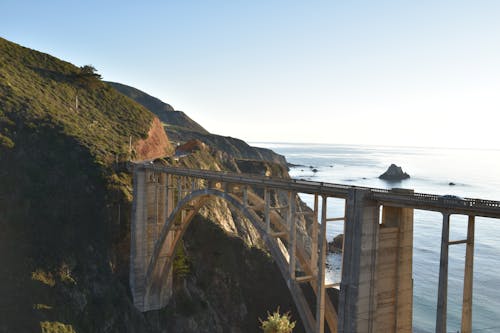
column 475, row 173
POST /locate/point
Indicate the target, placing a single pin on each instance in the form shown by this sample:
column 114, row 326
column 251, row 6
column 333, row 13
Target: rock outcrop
column 229, row 263
column 190, row 147
column 335, row 246
column 155, row 145
column 394, row 172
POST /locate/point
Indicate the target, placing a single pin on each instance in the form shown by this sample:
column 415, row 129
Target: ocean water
column 474, row 173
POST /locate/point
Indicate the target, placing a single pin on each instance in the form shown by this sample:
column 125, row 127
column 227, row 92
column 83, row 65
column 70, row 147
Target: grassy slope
column 38, row 89
column 65, row 204
column 64, row 201
column 142, row 98
column 164, row 111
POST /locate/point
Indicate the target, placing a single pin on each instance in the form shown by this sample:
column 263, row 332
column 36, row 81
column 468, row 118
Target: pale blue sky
column 420, row 73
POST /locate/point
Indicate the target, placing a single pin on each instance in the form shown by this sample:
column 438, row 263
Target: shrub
column 6, row 142
column 44, row 277
column 181, row 264
column 55, row 327
column 277, row 323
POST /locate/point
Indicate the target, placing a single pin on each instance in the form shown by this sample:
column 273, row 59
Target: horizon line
column 251, row 142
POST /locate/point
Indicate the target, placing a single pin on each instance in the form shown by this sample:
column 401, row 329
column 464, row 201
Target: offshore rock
column 335, row 246
column 394, row 173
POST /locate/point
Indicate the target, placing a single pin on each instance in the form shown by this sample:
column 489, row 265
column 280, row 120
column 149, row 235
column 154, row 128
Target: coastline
column 361, row 165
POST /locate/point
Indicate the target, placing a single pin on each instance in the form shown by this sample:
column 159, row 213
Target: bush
column 277, row 323
column 181, row 264
column 6, row 142
column 55, row 327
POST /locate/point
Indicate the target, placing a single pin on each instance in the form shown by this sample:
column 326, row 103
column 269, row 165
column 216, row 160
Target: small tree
column 277, row 323
column 181, row 262
column 87, row 77
column 89, row 71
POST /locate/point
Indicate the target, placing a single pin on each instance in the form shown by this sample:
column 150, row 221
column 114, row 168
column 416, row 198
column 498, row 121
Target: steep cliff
column 65, row 196
column 231, row 279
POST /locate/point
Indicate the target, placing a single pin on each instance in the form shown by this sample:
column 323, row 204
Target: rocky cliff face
column 155, row 145
column 231, row 281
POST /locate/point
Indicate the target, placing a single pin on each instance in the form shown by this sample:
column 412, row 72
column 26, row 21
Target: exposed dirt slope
column 155, row 145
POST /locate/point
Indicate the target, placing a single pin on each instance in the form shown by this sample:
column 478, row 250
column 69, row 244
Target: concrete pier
column 394, row 270
column 357, row 304
column 377, row 286
column 150, row 210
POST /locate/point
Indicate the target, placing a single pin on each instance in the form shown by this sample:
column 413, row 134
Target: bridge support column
column 442, row 302
column 376, row 293
column 320, row 267
column 357, row 303
column 292, row 235
column 149, row 212
column 468, row 274
column 161, row 295
column 394, row 280
column 138, row 234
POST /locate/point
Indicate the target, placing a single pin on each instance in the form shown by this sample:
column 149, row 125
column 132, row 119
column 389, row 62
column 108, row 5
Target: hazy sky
column 420, row 73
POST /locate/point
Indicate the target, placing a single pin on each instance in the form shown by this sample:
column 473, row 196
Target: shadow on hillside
column 54, row 75
column 54, row 230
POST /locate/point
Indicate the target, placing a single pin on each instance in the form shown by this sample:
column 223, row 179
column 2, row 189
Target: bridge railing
column 442, row 203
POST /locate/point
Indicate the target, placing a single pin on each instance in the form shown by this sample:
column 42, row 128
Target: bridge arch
column 165, row 201
column 171, row 233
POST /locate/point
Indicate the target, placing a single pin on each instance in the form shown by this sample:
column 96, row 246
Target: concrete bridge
column 376, row 287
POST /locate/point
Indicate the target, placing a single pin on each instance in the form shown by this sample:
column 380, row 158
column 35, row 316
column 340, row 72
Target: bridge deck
column 447, row 204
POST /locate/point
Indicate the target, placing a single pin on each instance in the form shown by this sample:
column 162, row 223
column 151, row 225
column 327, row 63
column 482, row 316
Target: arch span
column 176, row 225
column 167, row 199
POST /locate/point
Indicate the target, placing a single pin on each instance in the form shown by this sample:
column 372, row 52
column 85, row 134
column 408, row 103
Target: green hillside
column 65, row 208
column 64, row 194
column 40, row 90
column 162, row 110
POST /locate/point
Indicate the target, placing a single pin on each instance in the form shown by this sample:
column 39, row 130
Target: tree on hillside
column 89, row 71
column 87, row 77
